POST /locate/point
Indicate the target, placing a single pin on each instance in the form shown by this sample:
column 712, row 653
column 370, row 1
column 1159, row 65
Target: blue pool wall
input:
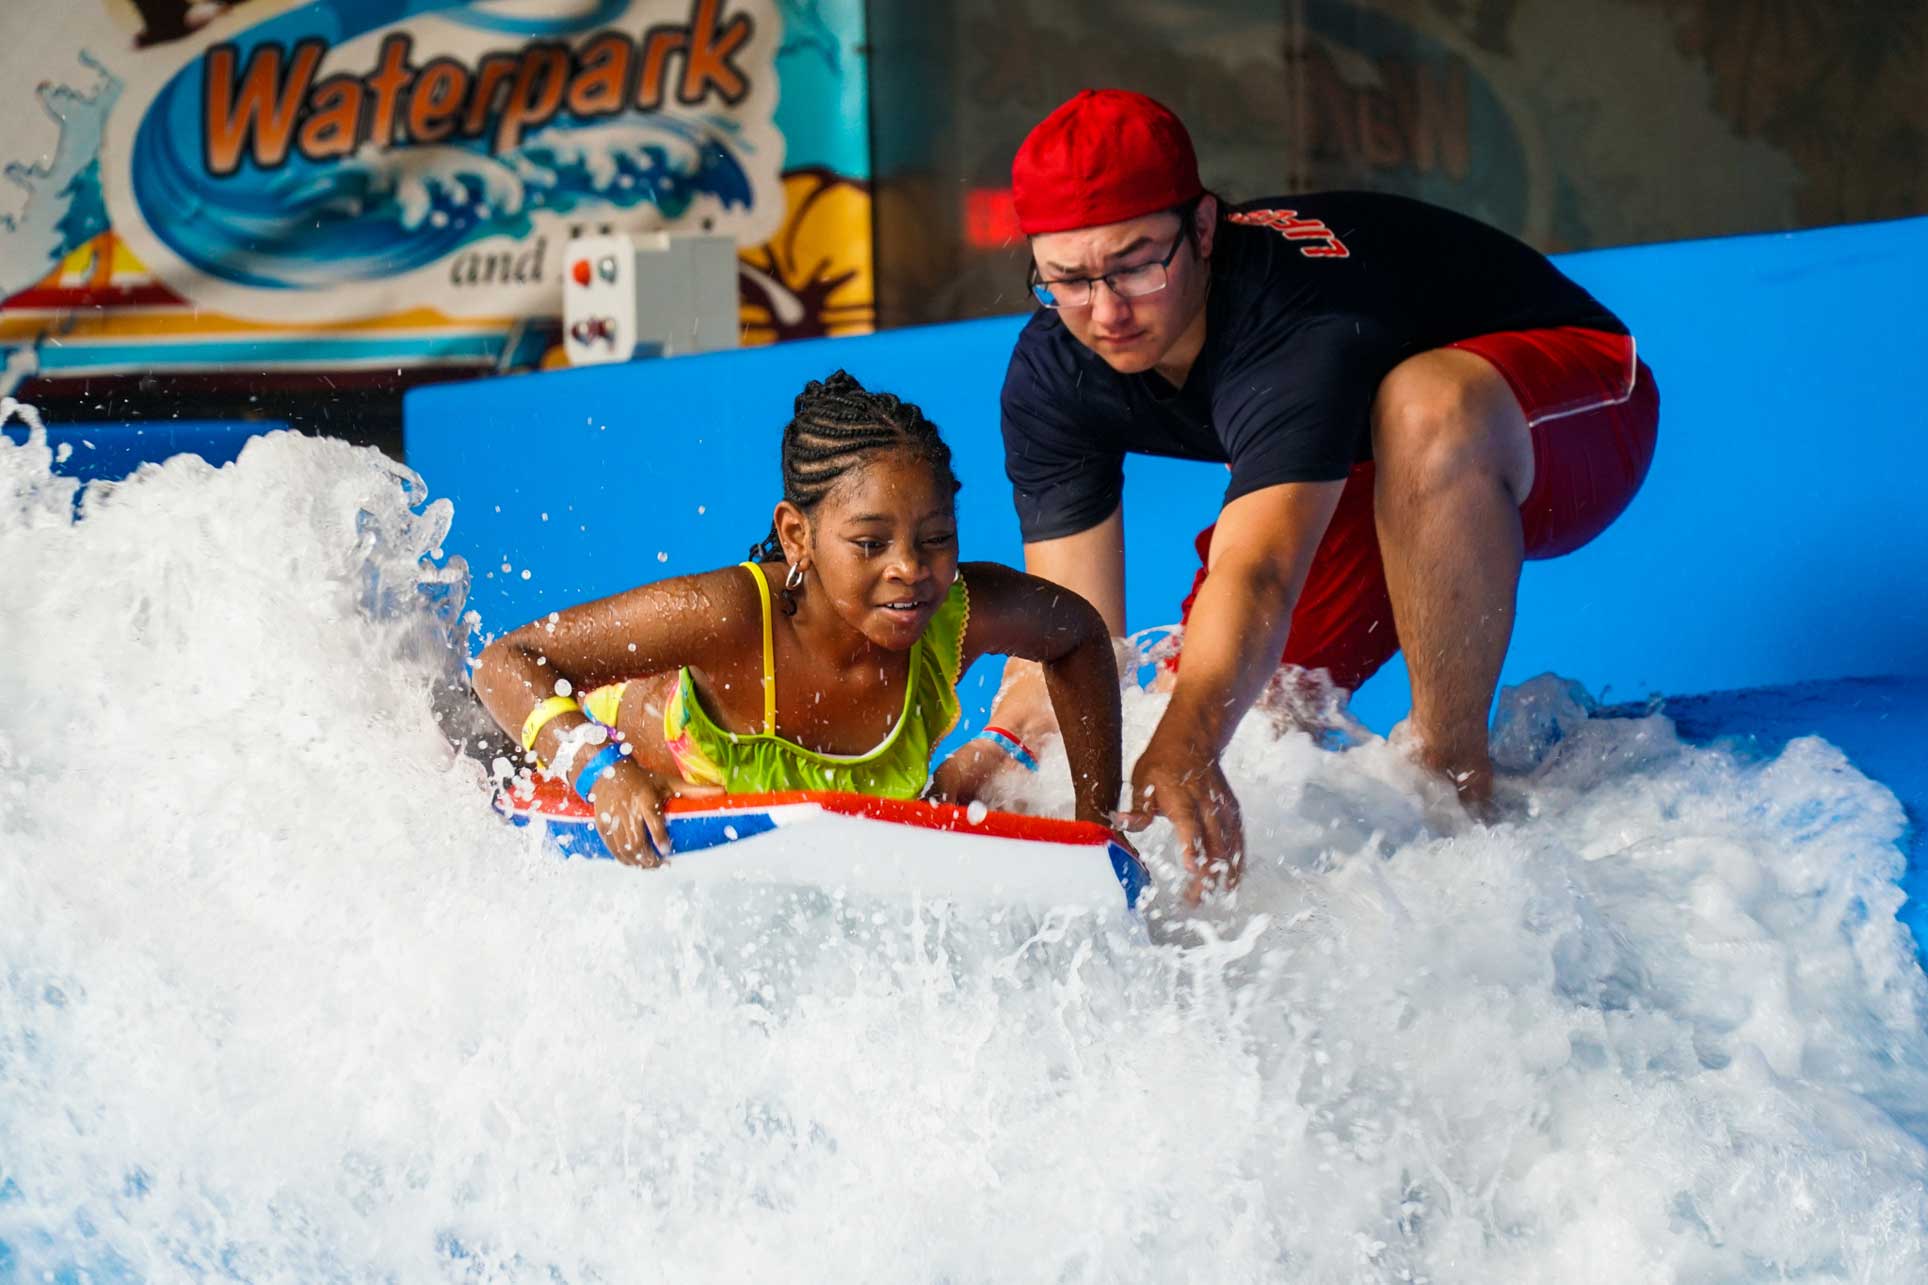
column 110, row 450
column 1781, row 537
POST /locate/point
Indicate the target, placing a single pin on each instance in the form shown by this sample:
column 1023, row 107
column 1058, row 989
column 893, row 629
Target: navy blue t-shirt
column 1313, row 300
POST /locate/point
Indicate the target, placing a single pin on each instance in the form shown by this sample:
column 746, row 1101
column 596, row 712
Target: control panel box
column 657, row 294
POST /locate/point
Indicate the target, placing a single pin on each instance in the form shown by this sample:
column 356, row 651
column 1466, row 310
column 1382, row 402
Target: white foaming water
column 281, row 999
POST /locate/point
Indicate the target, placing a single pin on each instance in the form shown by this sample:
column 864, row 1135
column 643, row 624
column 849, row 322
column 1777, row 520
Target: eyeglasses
column 1126, row 283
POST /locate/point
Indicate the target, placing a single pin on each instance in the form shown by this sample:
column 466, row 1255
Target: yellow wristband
column 543, row 712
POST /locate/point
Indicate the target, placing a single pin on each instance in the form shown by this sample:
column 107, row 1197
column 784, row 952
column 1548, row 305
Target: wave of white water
column 281, row 1000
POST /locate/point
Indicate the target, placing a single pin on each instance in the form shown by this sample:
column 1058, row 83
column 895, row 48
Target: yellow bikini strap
column 769, row 653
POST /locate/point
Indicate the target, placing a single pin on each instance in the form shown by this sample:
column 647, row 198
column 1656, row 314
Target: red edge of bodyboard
column 556, row 801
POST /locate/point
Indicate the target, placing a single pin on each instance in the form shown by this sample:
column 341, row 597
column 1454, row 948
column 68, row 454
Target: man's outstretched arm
column 1261, row 554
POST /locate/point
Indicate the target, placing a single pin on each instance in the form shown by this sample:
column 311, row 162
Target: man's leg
column 1455, row 460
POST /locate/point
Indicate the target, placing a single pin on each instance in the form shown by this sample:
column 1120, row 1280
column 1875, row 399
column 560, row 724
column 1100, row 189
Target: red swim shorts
column 1593, row 410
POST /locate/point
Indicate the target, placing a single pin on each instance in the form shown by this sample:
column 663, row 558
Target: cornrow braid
column 835, row 425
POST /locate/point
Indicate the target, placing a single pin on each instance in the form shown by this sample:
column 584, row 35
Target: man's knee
column 1441, row 416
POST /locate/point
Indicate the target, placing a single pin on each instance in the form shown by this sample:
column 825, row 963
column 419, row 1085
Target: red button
column 580, row 272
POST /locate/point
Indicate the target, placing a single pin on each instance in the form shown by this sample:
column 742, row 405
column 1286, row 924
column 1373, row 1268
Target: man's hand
column 1185, row 785
column 967, row 774
column 1260, row 554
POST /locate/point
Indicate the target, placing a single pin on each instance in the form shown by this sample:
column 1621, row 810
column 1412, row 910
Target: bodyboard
column 858, row 842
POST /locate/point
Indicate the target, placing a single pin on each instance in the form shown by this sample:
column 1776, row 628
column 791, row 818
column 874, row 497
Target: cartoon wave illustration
column 64, row 207
column 509, row 20
column 384, row 212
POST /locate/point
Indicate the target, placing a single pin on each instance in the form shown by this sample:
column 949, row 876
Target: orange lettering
column 531, row 103
column 436, row 100
column 1330, row 122
column 602, row 86
column 387, row 82
column 1441, row 134
column 710, row 50
column 1379, row 141
column 661, row 43
column 489, row 76
column 333, row 125
column 260, row 117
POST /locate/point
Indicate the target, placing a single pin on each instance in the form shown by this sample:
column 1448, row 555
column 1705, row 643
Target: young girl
column 829, row 661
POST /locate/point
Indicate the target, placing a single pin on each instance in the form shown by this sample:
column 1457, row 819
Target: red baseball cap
column 1106, row 156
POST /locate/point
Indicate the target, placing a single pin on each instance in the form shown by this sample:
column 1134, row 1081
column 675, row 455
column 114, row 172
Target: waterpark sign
column 341, row 159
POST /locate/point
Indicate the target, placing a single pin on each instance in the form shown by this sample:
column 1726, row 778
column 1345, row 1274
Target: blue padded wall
column 1781, row 536
column 110, row 451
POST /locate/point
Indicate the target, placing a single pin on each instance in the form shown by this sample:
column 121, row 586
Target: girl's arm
column 689, row 620
column 1013, row 614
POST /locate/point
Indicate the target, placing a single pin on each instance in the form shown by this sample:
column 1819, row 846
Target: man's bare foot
column 1468, row 770
column 1475, row 788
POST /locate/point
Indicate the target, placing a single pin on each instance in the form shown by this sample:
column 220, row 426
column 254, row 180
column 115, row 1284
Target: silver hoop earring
column 794, row 580
column 957, row 575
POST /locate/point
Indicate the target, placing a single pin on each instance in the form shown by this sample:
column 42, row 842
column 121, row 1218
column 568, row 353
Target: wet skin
column 876, row 558
column 1455, row 460
column 1162, row 331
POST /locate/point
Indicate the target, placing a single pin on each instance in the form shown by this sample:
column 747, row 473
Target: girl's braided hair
column 837, row 422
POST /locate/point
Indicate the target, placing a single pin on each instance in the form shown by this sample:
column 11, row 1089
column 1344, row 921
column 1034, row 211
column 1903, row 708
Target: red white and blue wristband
column 1011, row 745
column 592, row 771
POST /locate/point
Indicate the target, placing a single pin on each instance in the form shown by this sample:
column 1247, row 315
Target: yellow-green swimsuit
column 759, row 762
